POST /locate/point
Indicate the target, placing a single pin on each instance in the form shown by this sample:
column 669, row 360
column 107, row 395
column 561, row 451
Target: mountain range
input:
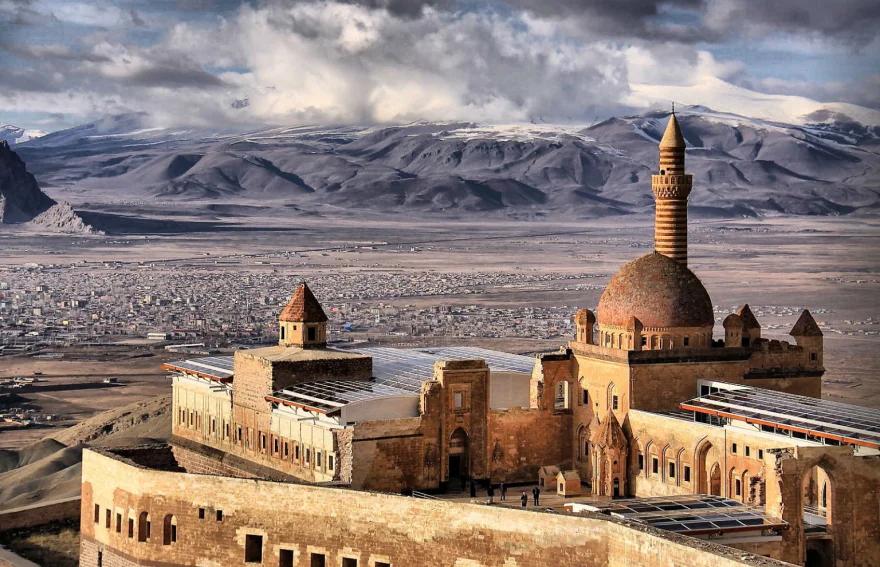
column 827, row 164
column 15, row 135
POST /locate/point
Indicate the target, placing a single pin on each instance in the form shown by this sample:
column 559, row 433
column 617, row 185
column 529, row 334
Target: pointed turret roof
column 303, row 307
column 672, row 138
column 806, row 326
column 749, row 320
column 610, row 433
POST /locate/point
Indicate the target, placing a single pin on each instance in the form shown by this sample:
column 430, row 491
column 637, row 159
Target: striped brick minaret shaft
column 671, row 189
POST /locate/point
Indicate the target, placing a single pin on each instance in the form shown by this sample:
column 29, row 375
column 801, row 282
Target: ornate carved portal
column 458, row 454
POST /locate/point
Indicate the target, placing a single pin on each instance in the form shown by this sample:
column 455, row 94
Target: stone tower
column 302, row 322
column 610, row 449
column 671, row 189
column 808, row 335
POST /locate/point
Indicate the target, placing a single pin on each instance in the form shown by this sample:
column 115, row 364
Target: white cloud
column 339, row 62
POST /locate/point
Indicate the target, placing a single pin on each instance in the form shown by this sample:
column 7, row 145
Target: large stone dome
column 660, row 292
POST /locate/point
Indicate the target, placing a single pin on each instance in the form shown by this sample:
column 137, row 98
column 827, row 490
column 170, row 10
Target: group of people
column 502, row 490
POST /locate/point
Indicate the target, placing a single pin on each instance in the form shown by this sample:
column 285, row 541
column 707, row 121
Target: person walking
column 524, row 499
column 490, row 494
column 536, row 492
column 473, row 489
column 503, row 492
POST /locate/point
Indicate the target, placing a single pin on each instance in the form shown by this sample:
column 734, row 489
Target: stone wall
column 523, row 440
column 393, row 454
column 9, row 559
column 39, row 514
column 699, row 447
column 339, row 523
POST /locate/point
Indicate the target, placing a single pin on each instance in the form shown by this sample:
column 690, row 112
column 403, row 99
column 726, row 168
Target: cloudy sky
column 222, row 62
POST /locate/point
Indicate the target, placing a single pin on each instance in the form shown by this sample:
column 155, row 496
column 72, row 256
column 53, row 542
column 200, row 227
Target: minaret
column 671, row 190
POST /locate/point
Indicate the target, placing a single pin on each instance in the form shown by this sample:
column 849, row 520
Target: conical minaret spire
column 671, row 189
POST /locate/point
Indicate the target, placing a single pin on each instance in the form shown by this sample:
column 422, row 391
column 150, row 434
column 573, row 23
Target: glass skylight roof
column 823, row 418
column 690, row 514
column 497, row 361
column 328, row 395
column 395, row 372
column 215, row 367
column 401, row 368
column 408, row 368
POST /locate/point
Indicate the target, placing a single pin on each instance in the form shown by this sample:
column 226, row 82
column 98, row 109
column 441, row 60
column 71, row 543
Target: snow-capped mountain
column 788, row 109
column 827, row 163
column 15, row 135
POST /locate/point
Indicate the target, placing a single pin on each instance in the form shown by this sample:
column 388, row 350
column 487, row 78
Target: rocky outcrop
column 22, row 200
column 62, row 218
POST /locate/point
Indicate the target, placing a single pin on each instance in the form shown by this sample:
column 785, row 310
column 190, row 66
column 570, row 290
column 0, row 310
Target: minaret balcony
column 683, row 179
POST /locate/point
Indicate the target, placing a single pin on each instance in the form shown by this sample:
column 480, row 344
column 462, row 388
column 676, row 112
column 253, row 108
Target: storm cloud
column 387, row 61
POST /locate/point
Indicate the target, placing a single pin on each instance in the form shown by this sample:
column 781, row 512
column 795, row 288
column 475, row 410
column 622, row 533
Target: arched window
column 144, row 526
column 668, row 465
column 563, row 395
column 583, row 450
column 169, row 531
column 653, row 465
column 818, row 489
column 613, row 399
column 734, row 489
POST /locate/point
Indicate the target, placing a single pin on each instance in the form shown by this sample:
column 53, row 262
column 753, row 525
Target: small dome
column 660, row 292
column 733, row 321
column 584, row 317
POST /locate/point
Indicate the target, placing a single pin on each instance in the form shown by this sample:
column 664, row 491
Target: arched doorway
column 715, row 480
column 458, row 454
column 704, row 469
column 818, row 499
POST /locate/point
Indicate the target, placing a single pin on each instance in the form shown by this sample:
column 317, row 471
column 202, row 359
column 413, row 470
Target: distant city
column 208, row 302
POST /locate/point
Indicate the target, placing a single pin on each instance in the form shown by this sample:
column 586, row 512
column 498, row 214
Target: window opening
column 253, row 548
